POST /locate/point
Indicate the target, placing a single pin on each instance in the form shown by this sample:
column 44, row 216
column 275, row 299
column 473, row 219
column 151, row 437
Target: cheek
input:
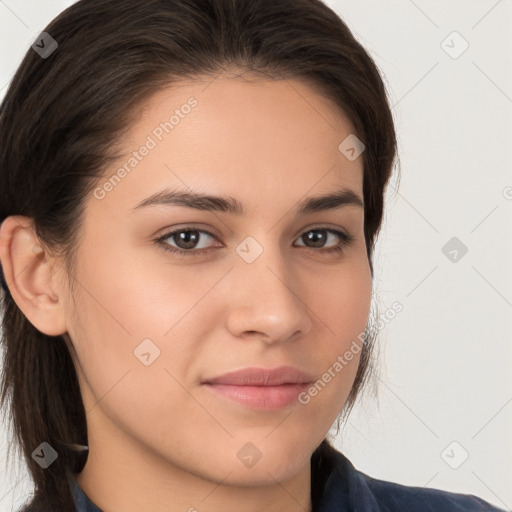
column 126, row 316
column 132, row 379
column 128, row 298
column 343, row 308
column 344, row 302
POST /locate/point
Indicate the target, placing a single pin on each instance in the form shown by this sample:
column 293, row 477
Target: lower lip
column 267, row 398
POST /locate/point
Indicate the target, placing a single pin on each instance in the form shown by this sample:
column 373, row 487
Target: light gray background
column 446, row 357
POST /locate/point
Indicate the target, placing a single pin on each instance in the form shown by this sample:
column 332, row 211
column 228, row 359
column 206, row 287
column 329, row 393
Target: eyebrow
column 168, row 197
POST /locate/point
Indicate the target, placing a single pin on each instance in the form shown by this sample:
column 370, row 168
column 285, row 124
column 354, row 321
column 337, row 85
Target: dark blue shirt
column 336, row 486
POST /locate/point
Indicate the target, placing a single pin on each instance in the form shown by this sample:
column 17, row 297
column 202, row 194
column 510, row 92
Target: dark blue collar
column 82, row 501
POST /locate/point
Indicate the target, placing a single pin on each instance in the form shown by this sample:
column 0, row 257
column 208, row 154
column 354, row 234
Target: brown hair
column 62, row 116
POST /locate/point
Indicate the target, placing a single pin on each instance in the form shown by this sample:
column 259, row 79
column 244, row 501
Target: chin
column 277, row 462
column 264, row 475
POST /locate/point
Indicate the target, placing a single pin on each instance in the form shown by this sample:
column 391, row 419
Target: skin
column 158, row 440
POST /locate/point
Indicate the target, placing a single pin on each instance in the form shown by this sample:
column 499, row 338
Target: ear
column 28, row 275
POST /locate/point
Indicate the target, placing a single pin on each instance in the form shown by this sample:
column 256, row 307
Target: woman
column 191, row 194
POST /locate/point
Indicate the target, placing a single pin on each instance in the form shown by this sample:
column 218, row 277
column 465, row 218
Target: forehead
column 256, row 140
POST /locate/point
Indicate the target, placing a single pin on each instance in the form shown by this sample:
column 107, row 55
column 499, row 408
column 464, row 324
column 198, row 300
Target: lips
column 260, row 388
column 262, row 377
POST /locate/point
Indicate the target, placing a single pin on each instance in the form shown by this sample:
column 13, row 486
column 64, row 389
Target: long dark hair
column 60, row 120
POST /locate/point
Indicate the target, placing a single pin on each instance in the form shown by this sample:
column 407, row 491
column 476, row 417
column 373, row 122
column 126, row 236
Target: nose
column 267, row 300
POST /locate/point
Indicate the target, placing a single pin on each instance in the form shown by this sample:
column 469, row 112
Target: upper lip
column 262, row 377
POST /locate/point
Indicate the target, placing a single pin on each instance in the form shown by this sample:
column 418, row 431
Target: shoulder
column 338, row 486
column 394, row 496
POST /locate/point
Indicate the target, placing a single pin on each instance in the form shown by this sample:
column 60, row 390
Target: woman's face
column 150, row 326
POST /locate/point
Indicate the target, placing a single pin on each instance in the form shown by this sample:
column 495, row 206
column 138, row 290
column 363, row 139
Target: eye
column 321, row 235
column 187, row 239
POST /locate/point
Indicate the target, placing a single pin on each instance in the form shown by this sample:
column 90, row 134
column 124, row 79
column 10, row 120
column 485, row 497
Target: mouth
column 260, row 388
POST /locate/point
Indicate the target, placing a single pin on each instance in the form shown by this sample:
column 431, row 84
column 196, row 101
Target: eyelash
column 346, row 240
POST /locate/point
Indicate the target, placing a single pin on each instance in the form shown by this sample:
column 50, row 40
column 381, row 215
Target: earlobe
column 28, row 275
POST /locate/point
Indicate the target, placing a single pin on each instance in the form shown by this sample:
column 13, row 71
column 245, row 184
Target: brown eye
column 186, row 240
column 318, row 237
